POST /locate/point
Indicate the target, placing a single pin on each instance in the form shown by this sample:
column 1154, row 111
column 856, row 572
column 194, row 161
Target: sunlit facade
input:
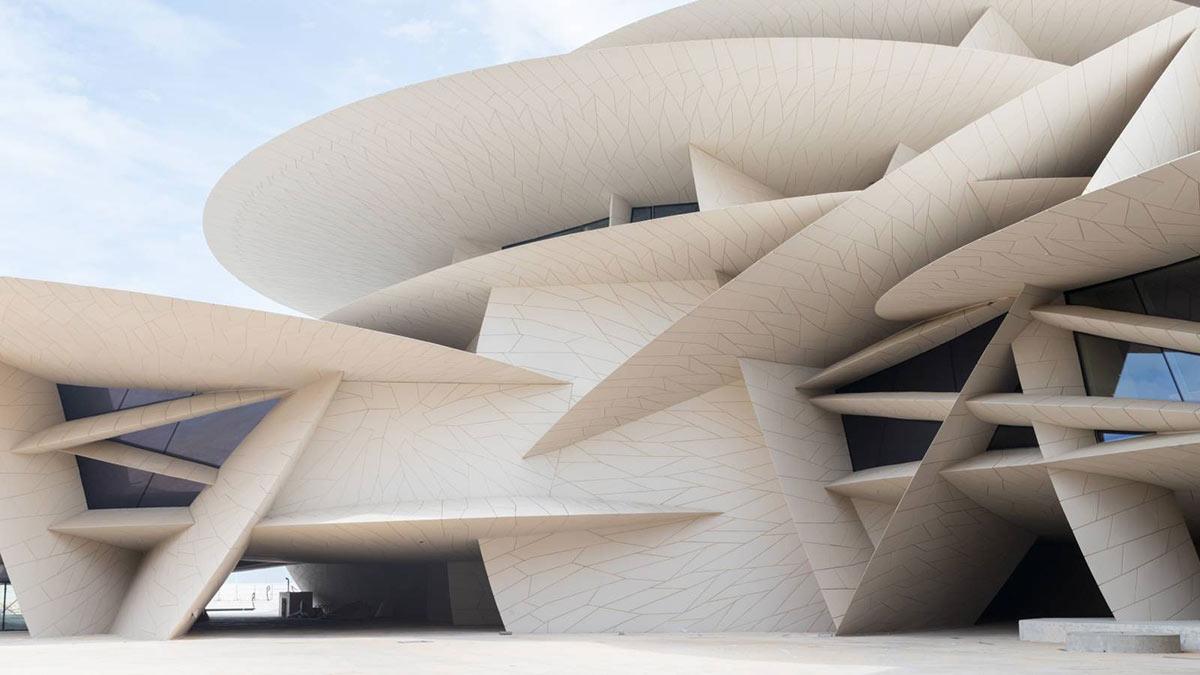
column 841, row 316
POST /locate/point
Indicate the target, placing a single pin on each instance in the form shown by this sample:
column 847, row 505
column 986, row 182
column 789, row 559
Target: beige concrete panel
column 1140, row 223
column 906, row 344
column 1144, row 329
column 942, row 557
column 720, row 186
column 1136, row 543
column 145, row 460
column 383, row 443
column 465, row 249
column 874, row 516
column 813, row 300
column 179, row 576
column 993, row 32
column 1087, row 412
column 620, row 211
column 885, row 484
column 1059, row 30
column 434, row 529
column 808, row 451
column 67, row 585
column 139, row 529
column 446, row 306
column 1009, row 201
column 901, row 156
column 1164, row 127
column 742, row 570
column 1133, row 535
column 818, row 115
column 1011, row 484
column 165, row 343
column 580, row 334
column 904, row 405
column 99, row 427
column 1168, row 460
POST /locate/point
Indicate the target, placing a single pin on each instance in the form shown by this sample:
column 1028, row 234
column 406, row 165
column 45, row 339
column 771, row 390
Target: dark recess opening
column 1052, row 580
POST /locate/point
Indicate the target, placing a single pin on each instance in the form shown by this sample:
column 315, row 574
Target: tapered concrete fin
column 874, row 516
column 993, row 33
column 1009, row 201
column 67, row 585
column 942, row 557
column 145, row 460
column 620, row 211
column 138, row 529
column 808, row 450
column 901, row 156
column 1165, row 126
column 179, row 576
column 719, row 185
column 116, row 423
column 1144, row 329
column 465, row 249
column 1132, row 534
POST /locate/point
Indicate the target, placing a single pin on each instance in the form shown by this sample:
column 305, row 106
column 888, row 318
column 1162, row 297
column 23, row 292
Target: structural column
column 180, row 575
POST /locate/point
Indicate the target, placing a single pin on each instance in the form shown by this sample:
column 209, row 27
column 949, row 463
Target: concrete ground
column 251, row 649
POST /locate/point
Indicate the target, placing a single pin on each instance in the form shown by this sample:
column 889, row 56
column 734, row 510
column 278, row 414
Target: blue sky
column 118, row 116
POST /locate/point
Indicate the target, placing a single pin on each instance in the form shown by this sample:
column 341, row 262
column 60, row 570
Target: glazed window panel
column 882, row 441
column 1172, row 291
column 1125, row 370
column 944, row 368
column 1011, row 438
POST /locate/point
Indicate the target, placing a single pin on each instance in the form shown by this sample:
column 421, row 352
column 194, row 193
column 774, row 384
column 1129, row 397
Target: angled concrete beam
column 993, row 33
column 145, row 460
column 884, row 484
column 68, row 585
column 116, row 423
column 1165, row 125
column 137, row 529
column 720, row 186
column 179, row 576
column 1014, row 485
column 1168, row 460
column 901, row 156
column 901, row 405
column 808, row 451
column 905, row 345
column 1132, row 534
column 1007, row 201
column 1158, row 331
column 1086, row 412
column 620, row 211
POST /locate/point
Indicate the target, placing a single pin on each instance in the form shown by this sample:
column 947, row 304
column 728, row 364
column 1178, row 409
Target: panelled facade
column 756, row 315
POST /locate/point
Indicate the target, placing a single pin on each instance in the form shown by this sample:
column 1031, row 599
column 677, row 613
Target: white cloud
column 417, row 30
column 521, row 29
column 156, row 27
column 90, row 194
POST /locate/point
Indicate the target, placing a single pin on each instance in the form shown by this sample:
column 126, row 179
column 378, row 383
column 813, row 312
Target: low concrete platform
column 1103, row 642
column 314, row 647
column 1057, row 630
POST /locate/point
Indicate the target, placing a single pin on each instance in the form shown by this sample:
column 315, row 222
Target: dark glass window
column 944, row 368
column 1129, row 370
column 641, row 213
column 1172, row 291
column 1010, row 438
column 1110, row 436
column 209, row 440
column 108, row 486
column 79, row 402
column 882, row 441
column 594, row 225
